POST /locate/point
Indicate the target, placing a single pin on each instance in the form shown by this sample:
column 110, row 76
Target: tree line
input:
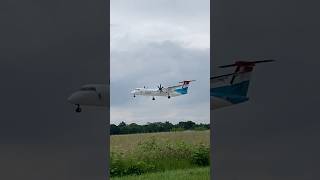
column 134, row 128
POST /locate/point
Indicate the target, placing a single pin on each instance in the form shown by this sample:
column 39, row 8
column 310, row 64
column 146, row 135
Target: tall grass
column 122, row 143
column 152, row 155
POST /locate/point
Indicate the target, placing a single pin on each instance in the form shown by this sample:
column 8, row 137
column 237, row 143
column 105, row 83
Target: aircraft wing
column 183, row 84
column 222, row 78
column 171, row 88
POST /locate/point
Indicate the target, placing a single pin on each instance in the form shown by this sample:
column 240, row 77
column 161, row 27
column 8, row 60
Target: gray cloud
column 160, row 9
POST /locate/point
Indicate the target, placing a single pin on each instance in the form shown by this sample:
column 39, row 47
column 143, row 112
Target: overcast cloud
column 156, row 42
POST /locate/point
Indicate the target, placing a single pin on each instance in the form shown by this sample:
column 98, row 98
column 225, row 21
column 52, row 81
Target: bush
column 177, row 129
column 117, row 165
column 152, row 155
column 127, row 165
column 200, row 128
column 201, row 155
column 139, row 168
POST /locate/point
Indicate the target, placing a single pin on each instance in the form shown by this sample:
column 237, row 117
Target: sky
column 155, row 42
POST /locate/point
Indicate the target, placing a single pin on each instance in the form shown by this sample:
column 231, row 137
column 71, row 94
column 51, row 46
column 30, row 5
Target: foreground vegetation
column 185, row 174
column 158, row 152
column 129, row 142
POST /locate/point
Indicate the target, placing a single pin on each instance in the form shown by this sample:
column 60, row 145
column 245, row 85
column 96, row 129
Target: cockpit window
column 88, row 89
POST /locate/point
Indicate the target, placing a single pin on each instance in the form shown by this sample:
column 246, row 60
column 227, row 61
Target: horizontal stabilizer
column 246, row 63
column 187, row 81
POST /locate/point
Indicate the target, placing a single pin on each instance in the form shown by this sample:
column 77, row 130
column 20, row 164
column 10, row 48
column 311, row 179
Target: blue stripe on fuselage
column 235, row 93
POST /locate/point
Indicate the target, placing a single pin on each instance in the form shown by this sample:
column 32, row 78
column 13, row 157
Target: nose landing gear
column 153, row 98
column 169, row 97
column 78, row 109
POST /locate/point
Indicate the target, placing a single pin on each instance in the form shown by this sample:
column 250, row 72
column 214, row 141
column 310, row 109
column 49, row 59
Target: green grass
column 186, row 174
column 138, row 154
column 123, row 143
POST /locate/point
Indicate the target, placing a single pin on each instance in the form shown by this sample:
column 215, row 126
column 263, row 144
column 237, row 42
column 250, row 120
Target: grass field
column 159, row 154
column 128, row 142
column 187, row 174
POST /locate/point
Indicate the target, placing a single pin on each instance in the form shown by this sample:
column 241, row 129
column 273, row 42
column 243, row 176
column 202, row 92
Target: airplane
column 92, row 95
column 225, row 90
column 172, row 91
column 231, row 89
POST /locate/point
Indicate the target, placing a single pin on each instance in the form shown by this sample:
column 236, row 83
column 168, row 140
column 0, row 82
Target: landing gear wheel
column 134, row 95
column 153, row 98
column 78, row 109
column 169, row 97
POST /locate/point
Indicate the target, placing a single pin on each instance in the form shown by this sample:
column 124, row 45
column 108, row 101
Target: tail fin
column 185, row 83
column 243, row 69
column 240, row 79
column 183, row 87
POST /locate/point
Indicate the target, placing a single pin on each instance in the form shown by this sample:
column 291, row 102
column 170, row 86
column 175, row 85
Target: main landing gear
column 134, row 95
column 78, row 109
column 169, row 96
column 153, row 98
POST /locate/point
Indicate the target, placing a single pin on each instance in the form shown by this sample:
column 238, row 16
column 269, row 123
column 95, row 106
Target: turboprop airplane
column 231, row 89
column 172, row 91
column 225, row 90
column 94, row 95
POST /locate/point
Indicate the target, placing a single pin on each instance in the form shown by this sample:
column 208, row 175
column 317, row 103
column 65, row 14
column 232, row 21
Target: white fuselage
column 91, row 95
column 149, row 92
column 155, row 92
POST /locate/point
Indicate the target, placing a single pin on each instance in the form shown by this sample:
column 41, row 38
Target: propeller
column 160, row 88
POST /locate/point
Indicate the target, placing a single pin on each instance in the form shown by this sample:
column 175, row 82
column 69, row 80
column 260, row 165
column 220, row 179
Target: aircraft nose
column 84, row 98
column 79, row 97
column 73, row 98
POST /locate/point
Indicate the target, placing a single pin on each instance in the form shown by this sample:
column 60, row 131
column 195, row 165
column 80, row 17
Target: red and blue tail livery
column 231, row 89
